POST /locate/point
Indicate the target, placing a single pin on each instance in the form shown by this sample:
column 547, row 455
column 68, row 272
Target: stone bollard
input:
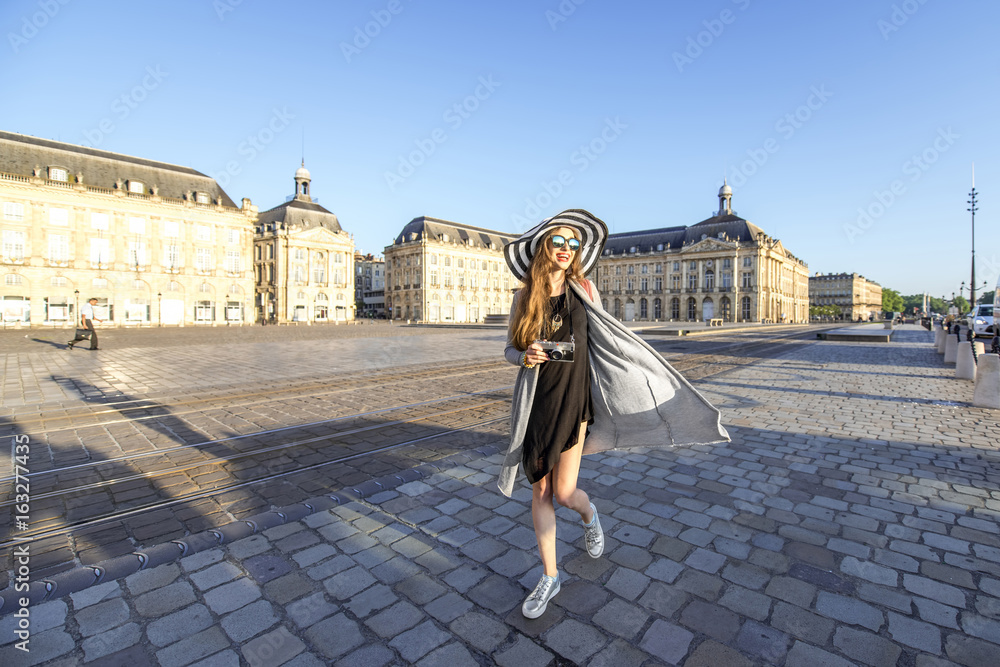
column 987, row 393
column 965, row 364
column 950, row 349
column 943, row 342
column 939, row 335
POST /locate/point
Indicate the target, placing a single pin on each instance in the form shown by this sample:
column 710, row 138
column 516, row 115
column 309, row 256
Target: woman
column 615, row 382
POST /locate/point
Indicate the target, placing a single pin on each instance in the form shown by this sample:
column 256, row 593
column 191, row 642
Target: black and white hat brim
column 592, row 231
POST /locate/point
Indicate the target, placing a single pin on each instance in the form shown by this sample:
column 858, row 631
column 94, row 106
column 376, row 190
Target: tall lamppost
column 972, row 209
column 76, row 313
column 225, row 309
column 159, row 309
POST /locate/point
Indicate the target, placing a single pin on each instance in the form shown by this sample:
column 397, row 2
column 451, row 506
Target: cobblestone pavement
column 853, row 520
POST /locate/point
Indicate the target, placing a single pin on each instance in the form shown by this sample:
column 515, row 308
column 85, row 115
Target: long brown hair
column 533, row 298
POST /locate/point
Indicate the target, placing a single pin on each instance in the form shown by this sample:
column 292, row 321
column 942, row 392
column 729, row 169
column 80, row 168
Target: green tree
column 913, row 301
column 892, row 302
column 938, row 305
column 962, row 305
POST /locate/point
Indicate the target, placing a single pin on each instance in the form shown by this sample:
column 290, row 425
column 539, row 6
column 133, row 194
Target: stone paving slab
column 853, row 520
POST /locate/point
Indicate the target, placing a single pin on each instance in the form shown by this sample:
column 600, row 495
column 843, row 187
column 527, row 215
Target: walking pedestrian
column 86, row 323
column 586, row 384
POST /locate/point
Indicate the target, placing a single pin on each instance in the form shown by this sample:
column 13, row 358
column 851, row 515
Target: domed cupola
column 725, row 199
column 302, row 180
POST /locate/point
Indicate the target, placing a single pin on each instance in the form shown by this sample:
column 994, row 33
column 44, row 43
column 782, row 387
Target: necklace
column 556, row 317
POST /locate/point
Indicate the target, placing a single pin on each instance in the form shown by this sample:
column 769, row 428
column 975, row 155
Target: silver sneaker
column 536, row 603
column 594, row 535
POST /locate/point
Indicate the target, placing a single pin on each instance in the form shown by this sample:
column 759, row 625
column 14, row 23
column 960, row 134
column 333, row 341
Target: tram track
column 293, row 465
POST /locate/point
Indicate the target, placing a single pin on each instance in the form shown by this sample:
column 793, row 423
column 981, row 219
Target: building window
column 300, row 254
column 203, row 233
column 99, row 221
column 434, row 278
column 319, row 267
column 727, row 280
column 692, row 282
column 658, row 284
column 100, row 251
column 172, row 256
column 727, row 263
column 171, row 228
column 58, row 174
column 447, row 260
column 675, row 282
column 692, row 266
column 339, row 259
column 136, row 187
column 692, row 313
column 136, row 226
column 12, row 279
column 631, row 269
column 677, row 266
column 748, row 261
column 203, row 259
column 709, row 279
column 58, row 281
column 13, row 245
column 658, row 268
column 136, row 254
column 447, row 277
column 204, row 311
column 657, row 309
column 202, row 198
column 747, row 280
column 618, row 270
column 644, row 284
column 233, row 261
column 745, row 308
column 643, row 309
column 58, row 248
column 13, row 211
column 645, row 268
column 58, row 217
column 232, row 236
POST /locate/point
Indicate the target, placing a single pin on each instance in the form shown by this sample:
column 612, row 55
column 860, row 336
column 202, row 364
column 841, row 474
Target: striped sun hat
column 592, row 232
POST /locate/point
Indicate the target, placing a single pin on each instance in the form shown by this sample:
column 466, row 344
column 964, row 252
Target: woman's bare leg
column 543, row 515
column 565, row 475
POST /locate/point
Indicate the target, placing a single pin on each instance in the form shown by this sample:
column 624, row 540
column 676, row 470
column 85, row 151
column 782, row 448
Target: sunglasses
column 560, row 241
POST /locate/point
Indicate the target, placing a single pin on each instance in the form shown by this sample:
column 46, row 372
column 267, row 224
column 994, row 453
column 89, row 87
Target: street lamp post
column 225, row 309
column 159, row 309
column 76, row 313
column 972, row 209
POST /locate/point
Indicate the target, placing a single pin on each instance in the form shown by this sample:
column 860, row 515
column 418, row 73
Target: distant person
column 86, row 325
column 603, row 375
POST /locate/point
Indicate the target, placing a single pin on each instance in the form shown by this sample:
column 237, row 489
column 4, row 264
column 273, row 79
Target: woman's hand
column 535, row 354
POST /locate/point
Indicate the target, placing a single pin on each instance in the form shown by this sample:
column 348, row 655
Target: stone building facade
column 155, row 243
column 723, row 267
column 855, row 296
column 440, row 271
column 369, row 285
column 303, row 262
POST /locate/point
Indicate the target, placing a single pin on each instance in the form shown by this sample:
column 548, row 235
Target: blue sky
column 848, row 130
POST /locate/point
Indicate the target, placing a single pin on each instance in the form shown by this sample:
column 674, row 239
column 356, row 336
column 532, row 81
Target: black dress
column 562, row 395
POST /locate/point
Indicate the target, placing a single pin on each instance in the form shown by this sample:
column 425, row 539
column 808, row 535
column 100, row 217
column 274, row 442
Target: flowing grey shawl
column 639, row 399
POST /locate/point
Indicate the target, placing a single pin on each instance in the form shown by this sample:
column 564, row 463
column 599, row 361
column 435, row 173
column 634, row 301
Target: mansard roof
column 730, row 227
column 22, row 154
column 428, row 228
column 302, row 214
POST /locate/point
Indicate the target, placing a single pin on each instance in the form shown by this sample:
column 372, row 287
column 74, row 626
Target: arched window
column 692, row 309
column 657, row 309
column 675, row 308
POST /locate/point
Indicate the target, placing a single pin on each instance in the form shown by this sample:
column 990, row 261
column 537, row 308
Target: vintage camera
column 558, row 351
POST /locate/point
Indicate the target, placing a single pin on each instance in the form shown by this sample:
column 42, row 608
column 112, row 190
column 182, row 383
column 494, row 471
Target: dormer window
column 137, row 187
column 202, row 198
column 58, row 174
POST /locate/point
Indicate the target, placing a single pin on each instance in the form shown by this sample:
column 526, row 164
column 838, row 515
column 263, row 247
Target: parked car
column 980, row 319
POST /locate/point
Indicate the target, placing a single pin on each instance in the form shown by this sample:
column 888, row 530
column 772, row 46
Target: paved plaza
column 852, row 520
